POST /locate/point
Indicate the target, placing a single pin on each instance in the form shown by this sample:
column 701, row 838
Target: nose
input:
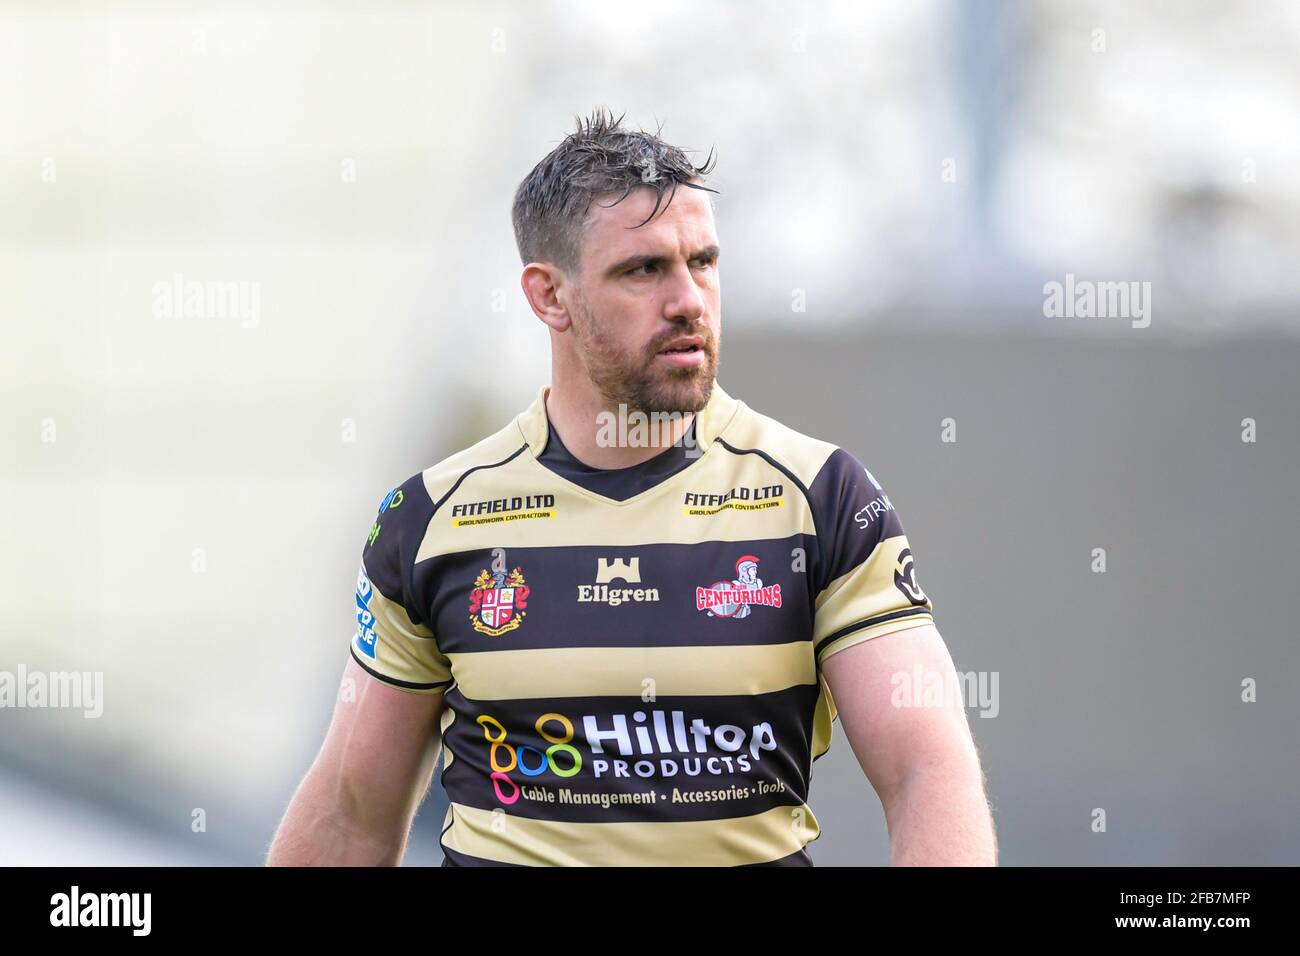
column 684, row 299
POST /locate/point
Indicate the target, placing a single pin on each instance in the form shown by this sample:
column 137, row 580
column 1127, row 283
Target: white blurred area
column 185, row 498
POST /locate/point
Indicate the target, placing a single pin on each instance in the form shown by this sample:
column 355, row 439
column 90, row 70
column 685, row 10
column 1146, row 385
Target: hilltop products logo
column 734, row 598
column 496, row 605
column 721, row 749
column 619, row 569
column 742, row 498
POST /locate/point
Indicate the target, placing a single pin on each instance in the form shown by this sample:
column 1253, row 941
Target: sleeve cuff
column 871, row 627
column 402, row 684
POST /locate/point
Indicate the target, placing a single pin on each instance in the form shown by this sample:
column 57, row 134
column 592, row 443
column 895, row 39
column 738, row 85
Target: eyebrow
column 636, row 262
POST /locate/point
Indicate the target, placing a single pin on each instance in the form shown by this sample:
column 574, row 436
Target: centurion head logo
column 734, row 598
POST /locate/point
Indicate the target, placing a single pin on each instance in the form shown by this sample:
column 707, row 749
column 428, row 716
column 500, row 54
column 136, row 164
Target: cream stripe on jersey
column 733, row 841
column 579, row 518
column 863, row 593
column 675, row 671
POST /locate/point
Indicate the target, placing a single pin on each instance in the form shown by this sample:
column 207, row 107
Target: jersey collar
column 709, row 421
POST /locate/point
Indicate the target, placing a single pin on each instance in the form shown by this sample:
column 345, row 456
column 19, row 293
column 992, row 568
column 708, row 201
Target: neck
column 593, row 431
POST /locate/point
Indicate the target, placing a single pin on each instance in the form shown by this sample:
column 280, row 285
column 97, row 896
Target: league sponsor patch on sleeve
column 366, row 636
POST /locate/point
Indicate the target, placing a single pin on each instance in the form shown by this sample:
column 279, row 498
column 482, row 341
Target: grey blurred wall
column 1119, row 690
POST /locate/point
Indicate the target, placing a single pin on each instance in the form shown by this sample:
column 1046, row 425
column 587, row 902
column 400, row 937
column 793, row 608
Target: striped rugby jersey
column 630, row 659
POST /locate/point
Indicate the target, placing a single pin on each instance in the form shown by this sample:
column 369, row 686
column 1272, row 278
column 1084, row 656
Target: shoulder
column 500, row 448
column 850, row 510
column 427, row 488
column 800, row 455
column 405, row 509
column 826, row 470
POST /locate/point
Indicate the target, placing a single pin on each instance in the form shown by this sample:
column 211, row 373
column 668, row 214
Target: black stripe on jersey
column 558, row 619
column 456, row 858
column 840, row 492
column 468, row 780
column 388, row 557
column 393, row 680
column 800, row 857
column 878, row 619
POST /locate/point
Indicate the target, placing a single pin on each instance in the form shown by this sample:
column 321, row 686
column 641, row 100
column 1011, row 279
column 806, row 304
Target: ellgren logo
column 618, row 569
column 366, row 636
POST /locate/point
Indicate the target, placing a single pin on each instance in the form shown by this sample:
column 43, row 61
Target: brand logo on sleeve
column 874, row 508
column 366, row 637
column 905, row 578
column 496, row 605
column 735, row 598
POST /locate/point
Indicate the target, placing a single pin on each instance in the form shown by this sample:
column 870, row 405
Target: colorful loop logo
column 545, row 760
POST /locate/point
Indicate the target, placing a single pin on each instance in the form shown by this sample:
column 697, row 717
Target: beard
column 637, row 379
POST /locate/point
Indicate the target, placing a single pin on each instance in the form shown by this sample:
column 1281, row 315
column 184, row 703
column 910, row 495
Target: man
column 630, row 617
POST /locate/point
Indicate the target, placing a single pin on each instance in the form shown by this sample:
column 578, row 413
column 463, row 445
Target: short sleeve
column 865, row 573
column 392, row 640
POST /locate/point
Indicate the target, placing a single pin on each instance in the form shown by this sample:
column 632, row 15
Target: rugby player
column 629, row 618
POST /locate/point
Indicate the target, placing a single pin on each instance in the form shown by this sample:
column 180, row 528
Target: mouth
column 684, row 345
column 683, row 353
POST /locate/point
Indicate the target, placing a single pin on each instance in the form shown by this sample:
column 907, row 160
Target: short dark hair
column 600, row 157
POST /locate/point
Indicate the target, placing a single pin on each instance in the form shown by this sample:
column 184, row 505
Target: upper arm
column 894, row 727
column 864, row 576
column 380, row 750
column 874, row 629
column 385, row 734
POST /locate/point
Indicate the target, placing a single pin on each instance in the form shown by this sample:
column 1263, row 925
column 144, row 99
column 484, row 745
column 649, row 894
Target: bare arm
column 921, row 760
column 356, row 804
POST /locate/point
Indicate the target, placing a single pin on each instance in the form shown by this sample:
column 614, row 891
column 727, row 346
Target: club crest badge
column 497, row 603
column 735, row 598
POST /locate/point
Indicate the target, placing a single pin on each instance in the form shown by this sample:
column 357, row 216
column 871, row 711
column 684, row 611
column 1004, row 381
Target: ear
column 542, row 283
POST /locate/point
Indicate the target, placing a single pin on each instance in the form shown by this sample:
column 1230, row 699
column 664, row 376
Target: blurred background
column 186, row 486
